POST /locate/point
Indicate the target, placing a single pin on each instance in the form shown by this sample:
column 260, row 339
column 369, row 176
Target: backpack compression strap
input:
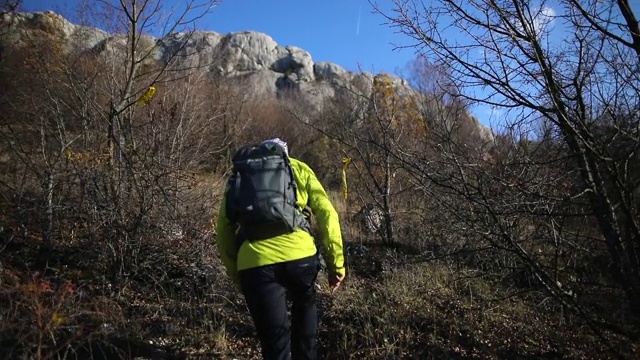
column 300, row 220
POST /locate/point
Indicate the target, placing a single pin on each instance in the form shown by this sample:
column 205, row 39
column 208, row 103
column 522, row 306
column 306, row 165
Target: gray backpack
column 261, row 193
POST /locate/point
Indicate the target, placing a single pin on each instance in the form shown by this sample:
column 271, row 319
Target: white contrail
column 358, row 25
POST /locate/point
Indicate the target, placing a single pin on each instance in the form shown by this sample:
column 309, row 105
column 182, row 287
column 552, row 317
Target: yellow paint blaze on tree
column 58, row 319
column 345, row 162
column 147, row 96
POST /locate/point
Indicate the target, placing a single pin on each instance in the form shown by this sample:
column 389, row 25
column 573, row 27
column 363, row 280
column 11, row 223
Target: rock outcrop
column 255, row 58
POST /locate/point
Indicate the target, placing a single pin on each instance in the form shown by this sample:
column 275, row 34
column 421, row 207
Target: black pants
column 265, row 289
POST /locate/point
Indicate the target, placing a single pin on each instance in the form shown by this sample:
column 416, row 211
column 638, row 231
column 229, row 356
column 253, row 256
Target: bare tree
column 369, row 121
column 571, row 108
column 105, row 158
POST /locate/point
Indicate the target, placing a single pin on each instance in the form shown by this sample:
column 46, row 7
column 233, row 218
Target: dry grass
column 405, row 310
column 432, row 311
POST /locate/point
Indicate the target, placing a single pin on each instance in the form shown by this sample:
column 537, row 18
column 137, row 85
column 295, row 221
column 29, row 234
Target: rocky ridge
column 253, row 57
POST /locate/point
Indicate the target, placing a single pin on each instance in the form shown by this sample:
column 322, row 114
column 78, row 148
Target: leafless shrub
column 549, row 191
column 130, row 184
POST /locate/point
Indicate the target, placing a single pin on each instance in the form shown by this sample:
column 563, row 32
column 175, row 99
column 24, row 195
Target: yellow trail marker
column 345, row 162
column 147, row 96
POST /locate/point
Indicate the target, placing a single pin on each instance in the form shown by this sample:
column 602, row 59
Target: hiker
column 266, row 246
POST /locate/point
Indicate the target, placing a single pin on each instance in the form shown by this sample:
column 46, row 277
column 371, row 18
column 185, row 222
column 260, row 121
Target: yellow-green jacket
column 293, row 246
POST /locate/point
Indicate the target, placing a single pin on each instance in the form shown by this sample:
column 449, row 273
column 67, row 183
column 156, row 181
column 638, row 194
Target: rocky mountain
column 253, row 57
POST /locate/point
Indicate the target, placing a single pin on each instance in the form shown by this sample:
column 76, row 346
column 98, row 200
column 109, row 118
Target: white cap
column 279, row 142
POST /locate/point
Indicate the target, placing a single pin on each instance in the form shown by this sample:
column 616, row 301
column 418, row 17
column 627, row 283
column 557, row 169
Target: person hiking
column 265, row 244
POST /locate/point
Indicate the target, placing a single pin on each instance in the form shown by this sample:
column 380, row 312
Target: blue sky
column 344, row 32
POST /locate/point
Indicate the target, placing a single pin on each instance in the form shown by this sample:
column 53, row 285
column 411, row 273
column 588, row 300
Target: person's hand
column 335, row 280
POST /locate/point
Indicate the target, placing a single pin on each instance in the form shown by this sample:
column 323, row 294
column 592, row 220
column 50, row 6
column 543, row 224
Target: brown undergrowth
column 176, row 302
column 57, row 305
